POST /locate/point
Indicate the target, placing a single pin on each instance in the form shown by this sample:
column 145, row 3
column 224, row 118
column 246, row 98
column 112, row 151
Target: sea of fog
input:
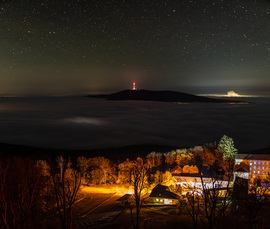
column 87, row 123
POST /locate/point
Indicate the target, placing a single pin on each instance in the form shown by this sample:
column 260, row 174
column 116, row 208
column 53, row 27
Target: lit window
column 254, row 171
column 258, row 171
column 157, row 199
column 259, row 163
column 262, row 167
column 254, row 167
column 263, row 163
column 267, row 163
column 255, row 163
column 259, row 167
column 250, row 163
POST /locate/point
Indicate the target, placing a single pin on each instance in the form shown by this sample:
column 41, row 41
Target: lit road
column 90, row 210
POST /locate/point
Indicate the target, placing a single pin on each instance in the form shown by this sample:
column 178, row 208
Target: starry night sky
column 78, row 47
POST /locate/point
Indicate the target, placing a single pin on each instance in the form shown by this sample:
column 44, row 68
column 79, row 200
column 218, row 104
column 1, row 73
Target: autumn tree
column 66, row 182
column 211, row 159
column 139, row 183
column 218, row 163
column 165, row 178
column 158, row 178
column 154, row 159
column 170, row 157
column 190, row 169
column 184, row 157
column 124, row 172
column 102, row 167
column 83, row 165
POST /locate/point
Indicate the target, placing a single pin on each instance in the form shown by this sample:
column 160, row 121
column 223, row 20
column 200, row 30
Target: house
column 241, row 170
column 191, row 181
column 259, row 164
column 161, row 195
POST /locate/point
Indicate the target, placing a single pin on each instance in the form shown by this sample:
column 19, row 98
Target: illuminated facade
column 259, row 164
column 161, row 195
column 195, row 181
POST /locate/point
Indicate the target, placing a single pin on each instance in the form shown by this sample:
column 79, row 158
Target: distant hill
column 162, row 96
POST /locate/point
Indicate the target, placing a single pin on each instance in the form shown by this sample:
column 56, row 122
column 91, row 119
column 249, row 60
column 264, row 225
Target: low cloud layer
column 86, row 123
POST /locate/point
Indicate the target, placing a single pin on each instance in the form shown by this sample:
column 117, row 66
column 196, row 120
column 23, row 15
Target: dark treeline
column 114, row 154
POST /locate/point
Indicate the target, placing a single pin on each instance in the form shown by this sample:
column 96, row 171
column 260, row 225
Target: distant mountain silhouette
column 162, row 96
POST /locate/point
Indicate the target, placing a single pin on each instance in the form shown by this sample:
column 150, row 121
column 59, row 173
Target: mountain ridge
column 162, row 96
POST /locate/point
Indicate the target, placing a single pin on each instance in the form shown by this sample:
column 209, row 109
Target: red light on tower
column 134, row 86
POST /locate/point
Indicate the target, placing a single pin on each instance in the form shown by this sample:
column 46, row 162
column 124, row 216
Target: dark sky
column 76, row 47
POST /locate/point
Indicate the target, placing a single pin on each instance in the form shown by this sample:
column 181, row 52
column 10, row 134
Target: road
column 95, row 209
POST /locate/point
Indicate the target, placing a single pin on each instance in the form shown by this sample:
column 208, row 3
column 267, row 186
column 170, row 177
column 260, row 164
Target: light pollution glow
column 229, row 94
column 233, row 94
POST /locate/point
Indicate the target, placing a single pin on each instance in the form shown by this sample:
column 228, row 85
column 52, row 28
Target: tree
column 154, row 159
column 4, row 166
column 167, row 178
column 102, row 167
column 193, row 206
column 83, row 166
column 228, row 151
column 170, row 157
column 21, row 182
column 47, row 193
column 190, row 169
column 226, row 147
column 158, row 178
column 184, row 157
column 139, row 183
column 124, row 172
column 254, row 203
column 212, row 159
column 66, row 183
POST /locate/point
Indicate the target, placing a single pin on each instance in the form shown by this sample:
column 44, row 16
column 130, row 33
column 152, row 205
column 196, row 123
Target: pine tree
column 226, row 147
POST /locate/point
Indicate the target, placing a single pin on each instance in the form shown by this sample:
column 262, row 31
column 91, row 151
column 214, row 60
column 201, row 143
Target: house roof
column 204, row 170
column 189, row 175
column 162, row 191
column 262, row 157
column 242, row 167
column 124, row 197
column 241, row 170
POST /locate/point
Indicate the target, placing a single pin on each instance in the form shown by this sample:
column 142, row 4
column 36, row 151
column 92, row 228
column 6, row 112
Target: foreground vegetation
column 35, row 192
